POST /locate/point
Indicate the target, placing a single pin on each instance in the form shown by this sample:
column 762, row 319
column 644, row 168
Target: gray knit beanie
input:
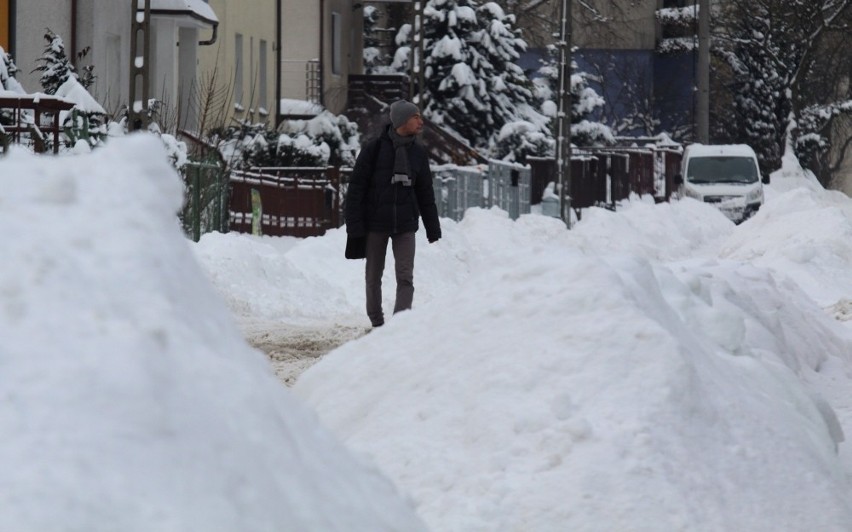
column 401, row 111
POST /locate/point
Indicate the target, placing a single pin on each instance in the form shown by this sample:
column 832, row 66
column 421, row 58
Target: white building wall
column 187, row 84
column 164, row 61
column 254, row 20
column 31, row 19
column 110, row 52
column 102, row 26
column 300, row 42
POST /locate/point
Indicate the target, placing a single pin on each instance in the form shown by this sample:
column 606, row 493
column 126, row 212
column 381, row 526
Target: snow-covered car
column 725, row 175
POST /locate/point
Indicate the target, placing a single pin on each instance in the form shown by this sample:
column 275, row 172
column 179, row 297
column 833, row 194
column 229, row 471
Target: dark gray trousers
column 403, row 256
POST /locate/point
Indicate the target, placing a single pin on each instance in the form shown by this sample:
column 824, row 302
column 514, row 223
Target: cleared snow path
column 294, row 348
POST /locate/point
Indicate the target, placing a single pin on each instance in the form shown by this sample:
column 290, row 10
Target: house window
column 262, row 96
column 238, row 71
column 336, row 33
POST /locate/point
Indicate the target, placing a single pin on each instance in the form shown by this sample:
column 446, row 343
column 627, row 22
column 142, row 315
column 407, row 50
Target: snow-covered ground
column 129, row 399
column 657, row 368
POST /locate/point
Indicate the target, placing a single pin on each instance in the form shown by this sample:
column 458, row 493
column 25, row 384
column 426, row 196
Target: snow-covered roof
column 730, row 150
column 197, row 9
column 73, row 91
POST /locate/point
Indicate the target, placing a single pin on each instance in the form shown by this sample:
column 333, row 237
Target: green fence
column 206, row 200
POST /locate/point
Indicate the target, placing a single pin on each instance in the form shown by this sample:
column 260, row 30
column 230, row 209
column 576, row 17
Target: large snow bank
column 564, row 387
column 129, row 399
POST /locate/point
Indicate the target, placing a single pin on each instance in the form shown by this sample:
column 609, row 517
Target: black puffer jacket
column 373, row 203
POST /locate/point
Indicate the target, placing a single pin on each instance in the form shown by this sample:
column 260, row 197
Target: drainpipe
column 321, row 62
column 12, row 33
column 74, row 32
column 277, row 63
column 321, row 54
column 212, row 38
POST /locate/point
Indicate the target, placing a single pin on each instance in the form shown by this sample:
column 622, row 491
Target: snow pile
column 564, row 388
column 804, row 232
column 656, row 368
column 130, row 400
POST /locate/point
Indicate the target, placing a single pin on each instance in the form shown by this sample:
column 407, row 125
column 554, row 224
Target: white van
column 726, row 175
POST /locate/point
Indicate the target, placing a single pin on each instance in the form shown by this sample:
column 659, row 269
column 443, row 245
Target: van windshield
column 721, row 169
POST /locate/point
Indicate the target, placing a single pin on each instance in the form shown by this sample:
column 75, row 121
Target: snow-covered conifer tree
column 457, row 72
column 55, row 67
column 8, row 69
column 514, row 101
column 586, row 128
column 373, row 56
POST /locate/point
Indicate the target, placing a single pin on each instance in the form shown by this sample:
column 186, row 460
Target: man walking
column 391, row 186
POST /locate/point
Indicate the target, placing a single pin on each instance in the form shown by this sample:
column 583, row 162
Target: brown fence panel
column 599, row 175
column 542, row 172
column 671, row 164
column 583, row 186
column 620, row 187
column 298, row 202
column 642, row 172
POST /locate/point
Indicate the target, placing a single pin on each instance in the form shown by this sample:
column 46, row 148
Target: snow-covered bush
column 519, row 140
column 336, row 131
column 324, row 140
column 8, row 70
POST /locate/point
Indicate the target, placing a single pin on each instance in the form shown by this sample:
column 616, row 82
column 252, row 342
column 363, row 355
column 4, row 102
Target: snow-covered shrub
column 279, row 149
column 321, row 141
column 337, row 132
column 521, row 139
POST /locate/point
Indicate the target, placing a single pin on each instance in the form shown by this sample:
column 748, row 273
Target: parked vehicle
column 726, row 175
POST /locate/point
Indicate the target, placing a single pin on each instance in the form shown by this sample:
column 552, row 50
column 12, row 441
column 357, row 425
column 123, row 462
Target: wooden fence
column 306, row 202
column 34, row 118
column 298, row 202
column 605, row 176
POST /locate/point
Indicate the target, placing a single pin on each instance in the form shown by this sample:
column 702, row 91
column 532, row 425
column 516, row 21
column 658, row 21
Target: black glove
column 432, row 237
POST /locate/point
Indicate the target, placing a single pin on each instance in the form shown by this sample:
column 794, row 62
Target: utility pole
column 140, row 27
column 416, row 77
column 563, row 117
column 703, row 74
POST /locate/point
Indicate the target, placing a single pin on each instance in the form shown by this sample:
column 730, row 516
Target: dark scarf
column 400, row 161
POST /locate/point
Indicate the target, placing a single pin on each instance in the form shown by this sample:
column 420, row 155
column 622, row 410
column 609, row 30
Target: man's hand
column 433, row 238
